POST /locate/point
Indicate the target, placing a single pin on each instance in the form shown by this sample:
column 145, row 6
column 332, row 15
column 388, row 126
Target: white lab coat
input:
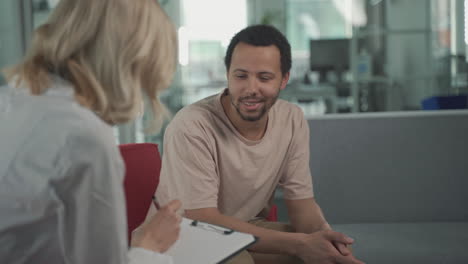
column 61, row 183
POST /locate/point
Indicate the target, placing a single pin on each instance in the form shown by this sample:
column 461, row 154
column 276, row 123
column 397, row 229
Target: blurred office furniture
column 329, row 56
column 306, row 94
column 325, row 79
column 402, row 45
column 373, row 93
column 41, row 5
column 142, row 168
column 395, row 182
column 445, row 102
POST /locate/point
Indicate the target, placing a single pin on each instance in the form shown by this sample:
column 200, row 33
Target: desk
column 297, row 92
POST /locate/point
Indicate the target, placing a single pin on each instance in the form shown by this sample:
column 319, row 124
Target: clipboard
column 203, row 243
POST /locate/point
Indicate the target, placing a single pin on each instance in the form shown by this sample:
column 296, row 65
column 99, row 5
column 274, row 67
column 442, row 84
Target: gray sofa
column 396, row 182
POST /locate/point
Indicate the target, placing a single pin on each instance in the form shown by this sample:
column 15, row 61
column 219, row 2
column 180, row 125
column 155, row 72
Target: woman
column 61, row 194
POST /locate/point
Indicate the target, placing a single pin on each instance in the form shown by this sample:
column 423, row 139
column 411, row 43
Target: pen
column 155, row 202
column 210, row 227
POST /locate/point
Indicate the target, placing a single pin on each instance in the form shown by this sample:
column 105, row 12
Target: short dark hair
column 262, row 35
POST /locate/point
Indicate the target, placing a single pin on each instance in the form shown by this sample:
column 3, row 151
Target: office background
column 388, row 174
column 349, row 56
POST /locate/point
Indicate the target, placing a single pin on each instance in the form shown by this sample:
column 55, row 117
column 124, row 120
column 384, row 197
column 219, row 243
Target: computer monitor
column 329, row 55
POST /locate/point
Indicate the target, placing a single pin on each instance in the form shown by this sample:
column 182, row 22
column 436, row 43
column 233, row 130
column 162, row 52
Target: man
column 225, row 155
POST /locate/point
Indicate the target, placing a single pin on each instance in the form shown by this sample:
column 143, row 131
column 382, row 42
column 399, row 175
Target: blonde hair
column 112, row 51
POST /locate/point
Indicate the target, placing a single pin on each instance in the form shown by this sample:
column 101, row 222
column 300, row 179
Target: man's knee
column 246, row 257
column 278, row 226
column 242, row 258
column 260, row 258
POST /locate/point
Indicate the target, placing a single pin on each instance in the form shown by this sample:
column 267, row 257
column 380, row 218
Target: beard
column 253, row 116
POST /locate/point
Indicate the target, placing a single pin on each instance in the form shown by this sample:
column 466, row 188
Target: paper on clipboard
column 202, row 243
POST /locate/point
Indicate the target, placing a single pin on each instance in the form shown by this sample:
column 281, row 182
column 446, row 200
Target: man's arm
column 312, row 248
column 306, row 216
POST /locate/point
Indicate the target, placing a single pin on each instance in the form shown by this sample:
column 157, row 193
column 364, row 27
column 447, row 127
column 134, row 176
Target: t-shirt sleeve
column 297, row 180
column 188, row 171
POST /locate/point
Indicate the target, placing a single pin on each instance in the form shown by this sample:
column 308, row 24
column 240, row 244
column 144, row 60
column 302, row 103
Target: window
column 41, row 10
column 204, row 37
column 319, row 19
column 207, row 27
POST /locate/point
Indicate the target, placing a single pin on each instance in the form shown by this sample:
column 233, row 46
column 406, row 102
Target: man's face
column 255, row 80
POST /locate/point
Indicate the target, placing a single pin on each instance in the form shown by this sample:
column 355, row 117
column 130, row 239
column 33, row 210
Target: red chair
column 142, row 168
column 273, row 214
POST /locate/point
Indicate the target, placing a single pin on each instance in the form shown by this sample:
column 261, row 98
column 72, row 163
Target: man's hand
column 161, row 231
column 342, row 248
column 326, row 247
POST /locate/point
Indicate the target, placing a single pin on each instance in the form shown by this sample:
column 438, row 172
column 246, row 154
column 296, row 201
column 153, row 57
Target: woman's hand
column 161, row 231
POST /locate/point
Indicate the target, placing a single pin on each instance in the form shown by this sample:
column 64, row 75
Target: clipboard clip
column 212, row 228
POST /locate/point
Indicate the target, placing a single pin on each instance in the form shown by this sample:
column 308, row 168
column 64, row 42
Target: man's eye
column 241, row 76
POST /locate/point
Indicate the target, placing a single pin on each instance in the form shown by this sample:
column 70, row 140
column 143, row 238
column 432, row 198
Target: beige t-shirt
column 208, row 163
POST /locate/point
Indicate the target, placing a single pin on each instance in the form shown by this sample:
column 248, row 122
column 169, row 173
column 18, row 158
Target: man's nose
column 252, row 87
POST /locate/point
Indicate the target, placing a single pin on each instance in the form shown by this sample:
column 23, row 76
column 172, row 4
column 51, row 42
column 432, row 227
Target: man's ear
column 284, row 81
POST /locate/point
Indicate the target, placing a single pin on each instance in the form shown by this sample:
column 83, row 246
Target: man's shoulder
column 200, row 114
column 286, row 104
column 288, row 110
